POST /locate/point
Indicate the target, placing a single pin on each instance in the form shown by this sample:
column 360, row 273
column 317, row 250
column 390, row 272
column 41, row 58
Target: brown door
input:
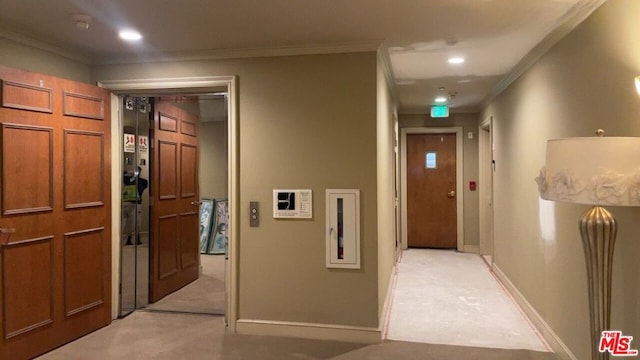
column 55, row 268
column 175, row 256
column 431, row 190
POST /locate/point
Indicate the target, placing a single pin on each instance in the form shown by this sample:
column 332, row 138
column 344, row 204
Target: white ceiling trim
column 166, row 85
column 385, row 61
column 312, row 49
column 217, row 54
column 571, row 19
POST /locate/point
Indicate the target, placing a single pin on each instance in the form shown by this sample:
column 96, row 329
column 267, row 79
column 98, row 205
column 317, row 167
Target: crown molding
column 219, row 54
column 385, row 62
column 41, row 45
column 214, row 54
column 576, row 15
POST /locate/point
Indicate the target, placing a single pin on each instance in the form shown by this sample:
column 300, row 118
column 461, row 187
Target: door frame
column 189, row 85
column 485, row 186
column 396, row 190
column 459, row 176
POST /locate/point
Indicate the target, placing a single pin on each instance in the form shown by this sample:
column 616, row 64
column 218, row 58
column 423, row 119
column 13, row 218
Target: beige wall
column 304, row 122
column 28, row 58
column 213, row 160
column 585, row 82
column 386, row 183
column 469, row 123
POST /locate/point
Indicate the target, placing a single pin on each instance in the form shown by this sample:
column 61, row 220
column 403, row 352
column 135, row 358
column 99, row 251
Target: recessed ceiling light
column 405, row 82
column 129, row 35
column 456, row 60
column 441, row 99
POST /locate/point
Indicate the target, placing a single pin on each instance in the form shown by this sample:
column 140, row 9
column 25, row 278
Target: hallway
column 447, row 297
column 157, row 335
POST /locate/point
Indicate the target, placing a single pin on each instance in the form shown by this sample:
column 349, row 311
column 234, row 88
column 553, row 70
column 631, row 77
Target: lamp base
column 598, row 230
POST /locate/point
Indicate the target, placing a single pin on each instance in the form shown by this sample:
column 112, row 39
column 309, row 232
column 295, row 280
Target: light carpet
column 446, row 297
column 204, row 296
column 169, row 336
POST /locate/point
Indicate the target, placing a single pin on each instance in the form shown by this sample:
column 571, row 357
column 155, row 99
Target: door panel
column 20, row 95
column 167, row 245
column 189, row 165
column 83, row 105
column 176, row 257
column 189, row 250
column 83, row 156
column 27, row 162
column 167, row 163
column 84, row 284
column 431, row 186
column 27, row 311
column 55, row 281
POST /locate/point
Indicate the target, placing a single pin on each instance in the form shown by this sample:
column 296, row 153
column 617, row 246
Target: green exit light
column 439, row 111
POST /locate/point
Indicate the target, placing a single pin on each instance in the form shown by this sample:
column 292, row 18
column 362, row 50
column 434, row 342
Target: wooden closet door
column 55, row 195
column 175, row 247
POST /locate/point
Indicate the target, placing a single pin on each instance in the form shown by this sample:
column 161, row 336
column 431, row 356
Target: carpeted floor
column 151, row 335
column 170, row 335
column 451, row 298
column 203, row 296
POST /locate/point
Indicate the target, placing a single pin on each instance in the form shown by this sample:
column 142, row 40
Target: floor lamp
column 596, row 171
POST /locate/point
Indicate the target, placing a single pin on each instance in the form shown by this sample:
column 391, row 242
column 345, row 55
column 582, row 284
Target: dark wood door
column 55, row 269
column 431, row 190
column 175, row 248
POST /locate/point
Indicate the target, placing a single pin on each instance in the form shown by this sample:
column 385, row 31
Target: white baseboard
column 386, row 308
column 472, row 249
column 553, row 340
column 309, row 331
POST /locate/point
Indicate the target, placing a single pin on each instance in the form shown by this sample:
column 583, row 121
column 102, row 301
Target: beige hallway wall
column 305, row 122
column 386, row 115
column 213, row 160
column 28, row 58
column 583, row 83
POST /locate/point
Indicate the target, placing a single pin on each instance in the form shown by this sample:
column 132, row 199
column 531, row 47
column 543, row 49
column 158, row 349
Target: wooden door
column 55, row 192
column 431, row 191
column 175, row 260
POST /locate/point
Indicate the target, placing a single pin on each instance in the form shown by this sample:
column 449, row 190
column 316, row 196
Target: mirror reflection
column 196, row 122
column 135, row 205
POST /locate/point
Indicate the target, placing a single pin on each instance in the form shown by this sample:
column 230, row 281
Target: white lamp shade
column 592, row 170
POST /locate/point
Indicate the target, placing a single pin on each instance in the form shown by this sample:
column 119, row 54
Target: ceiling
column 496, row 37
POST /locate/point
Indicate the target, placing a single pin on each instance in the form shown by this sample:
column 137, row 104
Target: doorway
column 164, row 266
column 428, row 161
column 187, row 86
column 431, row 181
column 485, row 138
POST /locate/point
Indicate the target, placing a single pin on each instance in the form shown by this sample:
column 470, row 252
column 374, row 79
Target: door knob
column 196, row 203
column 451, row 194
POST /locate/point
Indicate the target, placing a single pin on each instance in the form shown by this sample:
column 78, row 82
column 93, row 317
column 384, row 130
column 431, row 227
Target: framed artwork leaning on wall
column 206, row 222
